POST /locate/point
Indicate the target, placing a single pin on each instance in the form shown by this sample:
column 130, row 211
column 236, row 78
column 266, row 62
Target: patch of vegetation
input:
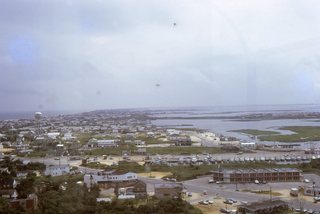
column 112, row 150
column 150, row 140
column 127, row 166
column 94, row 165
column 191, row 129
column 173, row 150
column 84, row 137
column 302, row 134
column 38, row 154
column 173, row 206
column 312, row 167
column 263, row 192
column 255, row 132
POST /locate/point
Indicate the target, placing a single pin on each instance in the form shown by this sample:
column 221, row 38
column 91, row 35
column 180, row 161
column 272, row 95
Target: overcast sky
column 98, row 54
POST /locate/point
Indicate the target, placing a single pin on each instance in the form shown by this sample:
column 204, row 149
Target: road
column 229, row 191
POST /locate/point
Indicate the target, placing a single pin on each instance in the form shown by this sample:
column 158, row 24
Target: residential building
column 164, row 190
column 102, row 143
column 57, row 170
column 138, row 189
column 125, row 184
column 29, row 204
column 248, row 145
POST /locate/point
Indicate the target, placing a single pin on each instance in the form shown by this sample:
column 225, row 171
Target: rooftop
column 263, row 205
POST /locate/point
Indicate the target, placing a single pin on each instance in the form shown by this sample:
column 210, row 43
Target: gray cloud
column 79, row 54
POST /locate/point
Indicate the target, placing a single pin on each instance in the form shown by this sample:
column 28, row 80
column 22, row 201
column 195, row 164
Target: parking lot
column 250, row 192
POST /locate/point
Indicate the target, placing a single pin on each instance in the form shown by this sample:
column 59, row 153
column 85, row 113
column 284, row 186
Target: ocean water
column 225, row 126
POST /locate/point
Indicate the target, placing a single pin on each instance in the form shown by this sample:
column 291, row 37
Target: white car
column 306, row 181
column 316, row 199
column 204, row 202
column 209, row 201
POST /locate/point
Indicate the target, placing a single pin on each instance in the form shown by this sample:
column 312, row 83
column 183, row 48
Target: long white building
column 108, row 177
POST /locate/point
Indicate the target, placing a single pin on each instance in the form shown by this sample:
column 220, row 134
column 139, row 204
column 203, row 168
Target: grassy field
column 112, row 150
column 312, row 167
column 302, row 134
column 183, row 150
column 95, row 165
column 150, row 140
column 262, row 192
column 255, row 132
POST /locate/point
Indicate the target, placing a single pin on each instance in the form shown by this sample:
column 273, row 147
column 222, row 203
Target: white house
column 248, row 145
column 53, row 135
column 102, row 143
column 173, row 132
column 57, row 170
column 68, row 136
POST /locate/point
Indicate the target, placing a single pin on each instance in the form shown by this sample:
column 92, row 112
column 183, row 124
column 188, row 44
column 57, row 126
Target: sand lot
column 157, row 175
column 215, row 207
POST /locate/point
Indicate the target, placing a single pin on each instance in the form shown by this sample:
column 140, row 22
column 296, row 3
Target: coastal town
column 123, row 156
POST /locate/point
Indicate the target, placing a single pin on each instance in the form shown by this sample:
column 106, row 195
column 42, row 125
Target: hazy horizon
column 118, row 54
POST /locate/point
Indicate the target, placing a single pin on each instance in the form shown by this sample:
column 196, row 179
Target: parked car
column 316, row 199
column 209, row 201
column 227, row 202
column 223, row 210
column 232, row 200
column 203, row 202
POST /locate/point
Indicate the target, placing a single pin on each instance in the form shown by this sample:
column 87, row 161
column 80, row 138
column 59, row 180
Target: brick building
column 261, row 175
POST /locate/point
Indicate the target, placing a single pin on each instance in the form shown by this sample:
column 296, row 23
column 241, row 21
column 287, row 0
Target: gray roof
column 263, row 205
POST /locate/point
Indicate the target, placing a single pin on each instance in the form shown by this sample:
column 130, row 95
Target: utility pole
column 314, row 191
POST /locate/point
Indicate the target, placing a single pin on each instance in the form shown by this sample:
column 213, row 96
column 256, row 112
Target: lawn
column 112, row 150
column 150, row 140
column 173, row 150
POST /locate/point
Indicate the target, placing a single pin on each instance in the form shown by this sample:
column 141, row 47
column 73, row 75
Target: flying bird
column 157, row 85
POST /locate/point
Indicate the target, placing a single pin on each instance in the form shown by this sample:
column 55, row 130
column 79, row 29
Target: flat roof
column 260, row 170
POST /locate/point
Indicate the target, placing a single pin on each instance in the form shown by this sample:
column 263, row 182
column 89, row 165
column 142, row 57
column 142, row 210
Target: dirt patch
column 263, row 192
column 215, row 207
column 157, row 175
